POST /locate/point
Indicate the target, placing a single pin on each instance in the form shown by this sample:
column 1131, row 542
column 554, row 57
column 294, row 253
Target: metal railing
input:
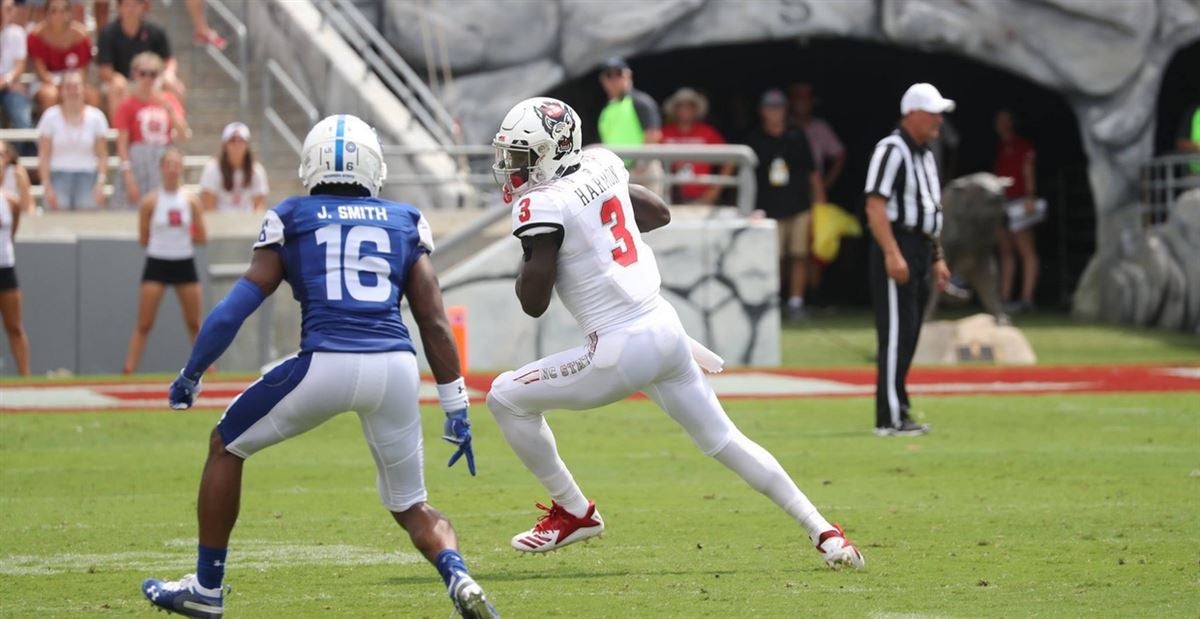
column 1162, row 180
column 743, row 180
column 236, row 71
column 276, row 74
column 479, row 158
column 190, row 162
column 381, row 58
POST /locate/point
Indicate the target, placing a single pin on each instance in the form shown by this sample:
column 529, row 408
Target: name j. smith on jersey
column 372, row 213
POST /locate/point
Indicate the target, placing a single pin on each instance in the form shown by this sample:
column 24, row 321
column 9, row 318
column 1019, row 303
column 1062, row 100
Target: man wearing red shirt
column 686, row 110
column 1015, row 159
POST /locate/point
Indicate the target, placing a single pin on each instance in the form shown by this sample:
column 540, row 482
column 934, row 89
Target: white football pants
column 652, row 355
column 309, row 389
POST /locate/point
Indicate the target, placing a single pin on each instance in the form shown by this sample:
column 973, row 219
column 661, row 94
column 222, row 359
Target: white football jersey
column 606, row 275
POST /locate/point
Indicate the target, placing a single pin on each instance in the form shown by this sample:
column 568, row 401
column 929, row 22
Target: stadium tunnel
column 858, row 85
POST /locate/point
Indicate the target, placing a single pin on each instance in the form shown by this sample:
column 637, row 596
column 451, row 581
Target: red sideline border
column 989, row 380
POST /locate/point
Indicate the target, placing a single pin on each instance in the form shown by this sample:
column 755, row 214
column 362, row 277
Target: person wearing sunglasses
column 124, row 39
column 148, row 121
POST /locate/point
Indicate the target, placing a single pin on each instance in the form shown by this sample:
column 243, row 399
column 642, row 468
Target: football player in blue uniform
column 348, row 256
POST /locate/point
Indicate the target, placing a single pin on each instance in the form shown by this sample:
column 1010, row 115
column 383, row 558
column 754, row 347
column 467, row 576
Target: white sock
column 530, row 437
column 216, row 593
column 796, row 302
column 763, row 472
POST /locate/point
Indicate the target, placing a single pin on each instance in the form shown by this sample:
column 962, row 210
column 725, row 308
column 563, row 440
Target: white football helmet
column 539, row 140
column 342, row 149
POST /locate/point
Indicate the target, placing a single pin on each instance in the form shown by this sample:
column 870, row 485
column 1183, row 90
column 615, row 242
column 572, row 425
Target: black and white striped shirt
column 905, row 174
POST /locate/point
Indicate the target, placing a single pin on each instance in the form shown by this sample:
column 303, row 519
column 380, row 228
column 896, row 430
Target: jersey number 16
column 348, row 264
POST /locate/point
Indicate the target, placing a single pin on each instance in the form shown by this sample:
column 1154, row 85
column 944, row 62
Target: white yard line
column 250, row 554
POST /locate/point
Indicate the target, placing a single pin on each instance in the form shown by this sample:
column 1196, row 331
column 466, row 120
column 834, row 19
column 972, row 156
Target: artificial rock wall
column 1105, row 57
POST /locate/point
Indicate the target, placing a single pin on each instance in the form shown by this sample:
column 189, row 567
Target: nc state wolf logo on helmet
column 559, row 122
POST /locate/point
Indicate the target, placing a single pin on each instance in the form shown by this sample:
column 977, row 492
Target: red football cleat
column 557, row 528
column 838, row 551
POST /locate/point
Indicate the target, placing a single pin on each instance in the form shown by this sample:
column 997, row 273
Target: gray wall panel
column 110, row 272
column 49, row 291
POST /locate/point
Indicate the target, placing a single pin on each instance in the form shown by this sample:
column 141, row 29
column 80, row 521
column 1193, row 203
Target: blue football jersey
column 347, row 260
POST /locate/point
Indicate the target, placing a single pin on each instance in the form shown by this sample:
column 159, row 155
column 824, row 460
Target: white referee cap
column 926, row 98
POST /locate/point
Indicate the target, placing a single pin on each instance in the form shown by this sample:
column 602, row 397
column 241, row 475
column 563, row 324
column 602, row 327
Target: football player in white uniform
column 580, row 223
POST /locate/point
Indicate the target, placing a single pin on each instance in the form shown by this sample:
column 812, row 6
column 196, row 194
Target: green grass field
column 1014, row 506
column 1077, row 505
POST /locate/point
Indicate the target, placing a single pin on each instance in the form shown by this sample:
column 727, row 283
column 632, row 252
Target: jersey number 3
column 352, row 263
column 624, row 252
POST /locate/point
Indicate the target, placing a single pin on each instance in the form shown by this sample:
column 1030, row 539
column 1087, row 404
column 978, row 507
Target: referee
column 904, row 212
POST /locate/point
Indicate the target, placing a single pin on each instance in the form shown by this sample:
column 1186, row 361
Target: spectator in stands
column 201, row 33
column 1015, row 159
column 148, row 121
column 78, row 10
column 58, row 45
column 10, row 294
column 170, row 224
column 233, row 180
column 788, row 184
column 828, row 153
column 121, row 41
column 73, row 150
column 631, row 117
column 686, row 111
column 14, row 179
column 13, row 94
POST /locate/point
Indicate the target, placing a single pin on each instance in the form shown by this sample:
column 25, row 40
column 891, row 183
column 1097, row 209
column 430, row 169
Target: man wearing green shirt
column 631, row 117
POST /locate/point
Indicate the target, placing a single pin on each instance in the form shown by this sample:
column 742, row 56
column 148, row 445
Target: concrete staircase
column 212, row 98
column 212, row 102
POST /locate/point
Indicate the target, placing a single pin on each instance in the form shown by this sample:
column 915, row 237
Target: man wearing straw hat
column 685, row 111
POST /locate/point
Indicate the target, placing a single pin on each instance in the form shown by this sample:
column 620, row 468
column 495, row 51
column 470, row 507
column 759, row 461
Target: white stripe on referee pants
column 893, row 335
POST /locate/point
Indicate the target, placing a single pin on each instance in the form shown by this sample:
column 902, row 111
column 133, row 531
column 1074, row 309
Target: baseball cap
column 924, row 97
column 614, row 62
column 773, row 98
column 235, row 129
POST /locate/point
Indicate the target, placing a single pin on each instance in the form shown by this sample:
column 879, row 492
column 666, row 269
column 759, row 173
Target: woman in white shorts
column 170, row 224
column 73, row 150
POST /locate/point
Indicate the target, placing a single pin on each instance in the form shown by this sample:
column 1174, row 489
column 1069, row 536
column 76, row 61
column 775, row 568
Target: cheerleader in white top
column 10, row 294
column 170, row 225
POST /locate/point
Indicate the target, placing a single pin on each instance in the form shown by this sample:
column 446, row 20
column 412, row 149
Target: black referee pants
column 899, row 309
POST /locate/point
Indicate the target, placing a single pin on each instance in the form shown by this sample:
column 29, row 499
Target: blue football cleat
column 469, row 599
column 180, row 596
